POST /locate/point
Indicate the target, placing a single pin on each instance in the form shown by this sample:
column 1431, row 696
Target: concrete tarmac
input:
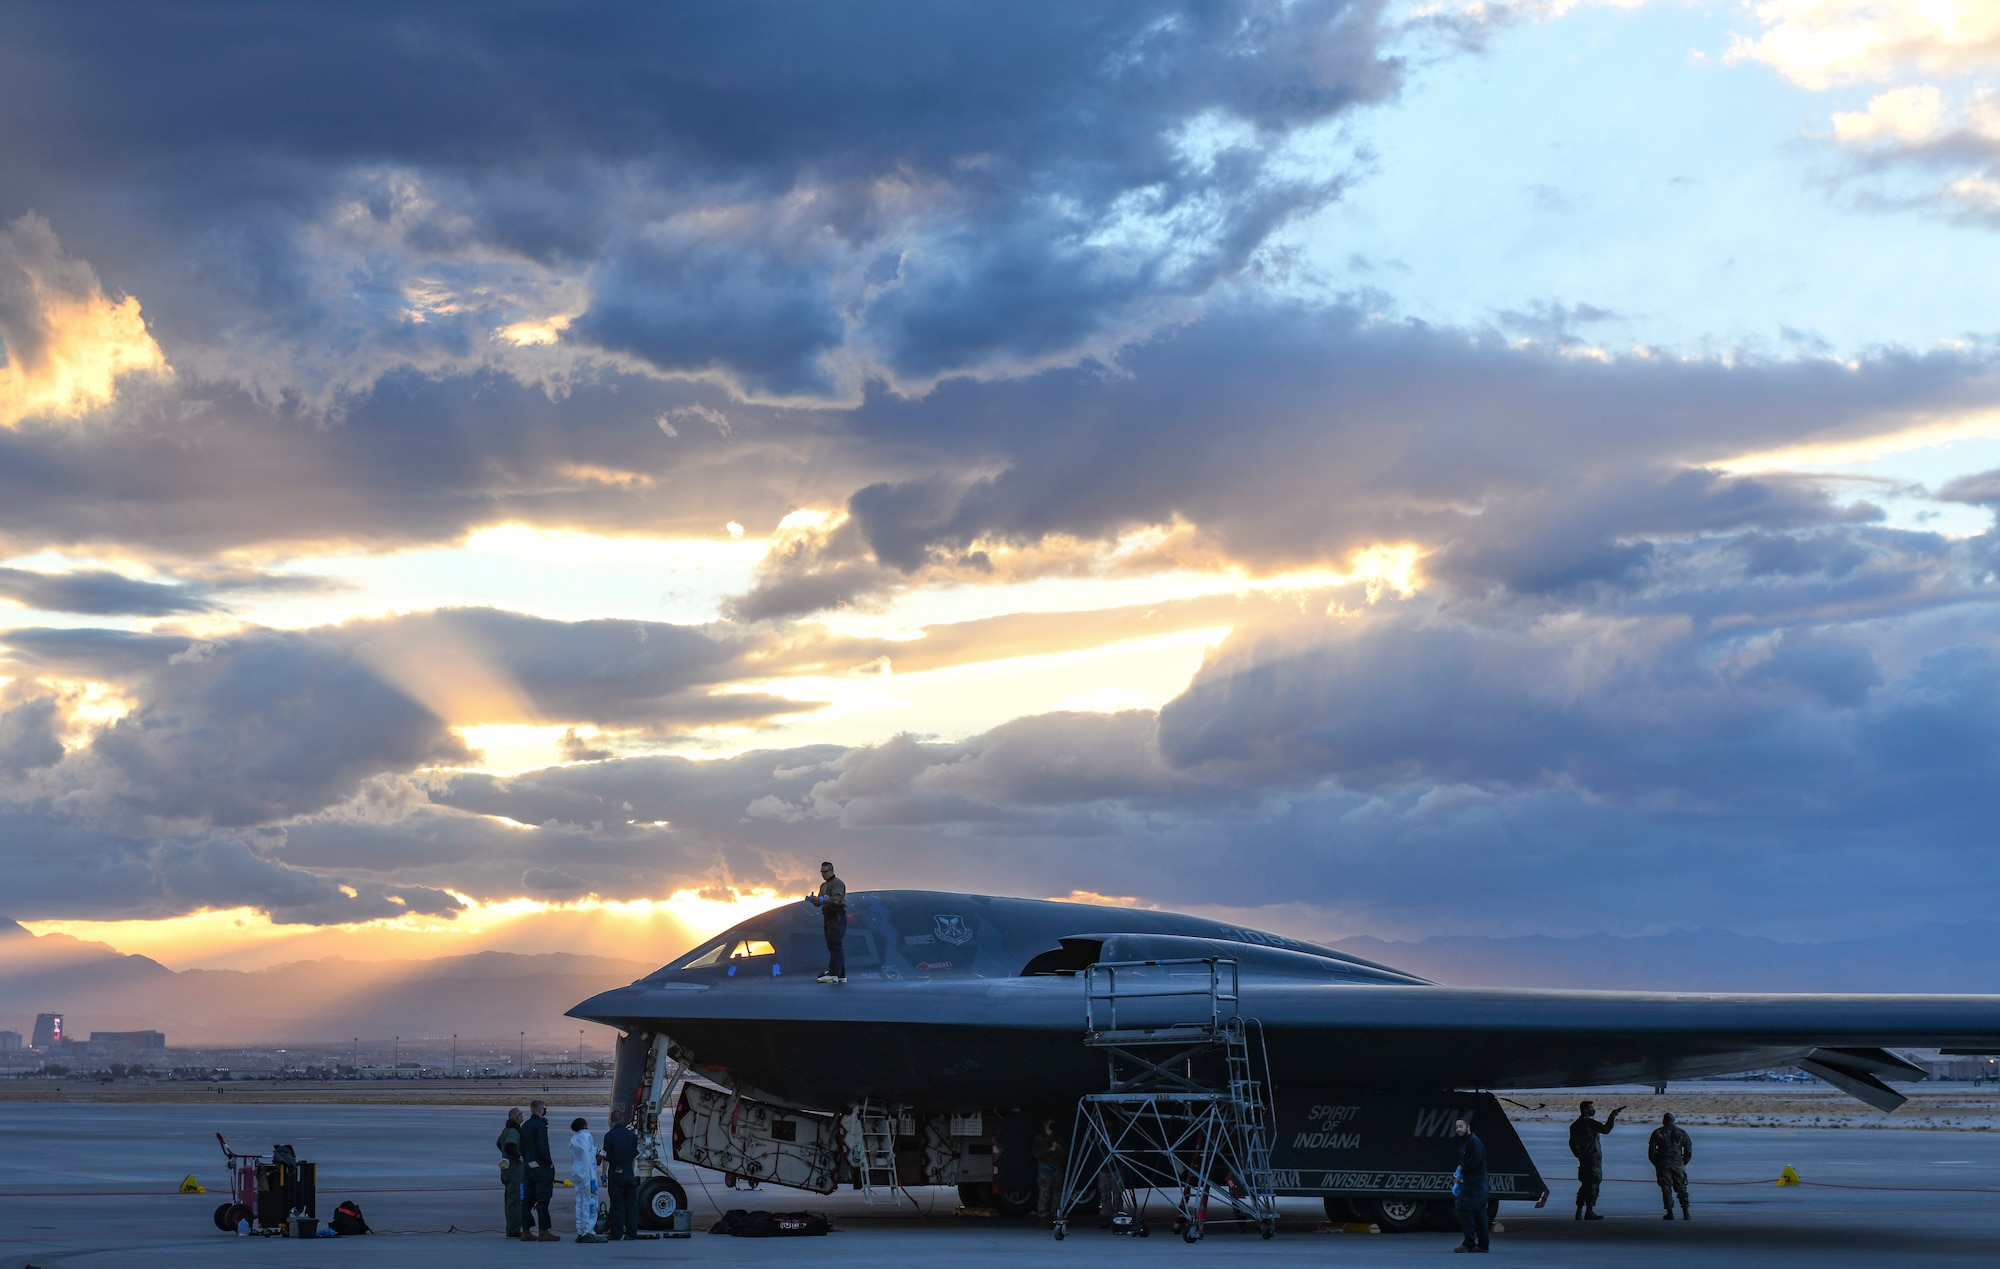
column 91, row 1185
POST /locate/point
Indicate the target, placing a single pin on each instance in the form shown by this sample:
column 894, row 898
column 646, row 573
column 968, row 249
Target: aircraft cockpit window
column 709, row 959
column 735, row 950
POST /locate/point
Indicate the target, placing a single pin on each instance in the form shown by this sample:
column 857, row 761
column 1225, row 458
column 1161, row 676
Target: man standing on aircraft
column 1584, row 1132
column 1468, row 1189
column 541, row 1176
column 1669, row 1149
column 832, row 904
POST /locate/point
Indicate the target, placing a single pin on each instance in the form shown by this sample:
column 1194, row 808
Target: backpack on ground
column 347, row 1219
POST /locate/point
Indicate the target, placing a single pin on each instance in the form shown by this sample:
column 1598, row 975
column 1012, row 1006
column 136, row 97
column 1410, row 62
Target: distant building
column 10, row 1041
column 48, row 1030
column 1963, row 1067
column 129, row 1039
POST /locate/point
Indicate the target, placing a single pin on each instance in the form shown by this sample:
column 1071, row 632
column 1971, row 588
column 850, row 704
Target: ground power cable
column 1826, row 1185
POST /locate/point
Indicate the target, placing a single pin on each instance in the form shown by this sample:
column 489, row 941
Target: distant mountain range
column 1932, row 958
column 485, row 998
column 489, row 998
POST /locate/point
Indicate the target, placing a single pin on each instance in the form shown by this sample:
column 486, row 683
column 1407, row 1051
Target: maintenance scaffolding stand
column 1185, row 1113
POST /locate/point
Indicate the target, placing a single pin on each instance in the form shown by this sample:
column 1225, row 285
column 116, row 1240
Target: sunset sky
column 507, row 475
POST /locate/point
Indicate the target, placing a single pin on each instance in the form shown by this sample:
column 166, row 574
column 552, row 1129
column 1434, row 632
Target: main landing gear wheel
column 1014, row 1202
column 1398, row 1214
column 659, row 1200
column 975, row 1194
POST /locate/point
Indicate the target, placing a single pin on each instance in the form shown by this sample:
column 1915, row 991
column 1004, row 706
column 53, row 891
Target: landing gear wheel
column 659, row 1200
column 1398, row 1214
column 1340, row 1210
column 975, row 1194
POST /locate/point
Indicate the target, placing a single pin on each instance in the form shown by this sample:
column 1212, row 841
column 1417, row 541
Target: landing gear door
column 720, row 1130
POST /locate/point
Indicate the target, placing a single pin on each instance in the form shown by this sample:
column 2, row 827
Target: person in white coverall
column 583, row 1175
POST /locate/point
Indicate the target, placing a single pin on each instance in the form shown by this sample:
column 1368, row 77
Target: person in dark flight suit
column 541, row 1176
column 621, row 1156
column 1468, row 1191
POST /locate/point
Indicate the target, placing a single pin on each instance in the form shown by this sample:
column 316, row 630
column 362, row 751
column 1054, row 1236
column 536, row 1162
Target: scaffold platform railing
column 1186, row 1112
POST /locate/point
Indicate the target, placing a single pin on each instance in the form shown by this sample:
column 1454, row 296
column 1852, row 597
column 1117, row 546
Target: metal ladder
column 1250, row 1110
column 875, row 1166
column 1185, row 1110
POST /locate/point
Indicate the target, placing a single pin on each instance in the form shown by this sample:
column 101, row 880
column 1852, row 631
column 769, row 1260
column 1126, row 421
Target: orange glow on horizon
column 649, row 930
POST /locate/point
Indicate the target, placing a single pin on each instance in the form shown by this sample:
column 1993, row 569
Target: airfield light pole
column 454, row 1053
column 579, row 1046
column 396, row 1053
column 354, row 1054
column 521, row 1059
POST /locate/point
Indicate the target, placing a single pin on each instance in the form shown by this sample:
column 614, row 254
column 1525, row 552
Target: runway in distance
column 963, row 1022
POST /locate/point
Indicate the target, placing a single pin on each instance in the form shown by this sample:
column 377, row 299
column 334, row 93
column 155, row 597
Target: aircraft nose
column 612, row 1008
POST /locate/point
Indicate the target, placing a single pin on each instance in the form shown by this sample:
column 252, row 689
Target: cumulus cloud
column 1951, row 145
column 935, row 298
column 66, row 342
column 265, row 725
column 1808, row 691
column 1290, row 437
column 995, row 191
column 1820, row 43
column 1762, row 772
column 30, row 730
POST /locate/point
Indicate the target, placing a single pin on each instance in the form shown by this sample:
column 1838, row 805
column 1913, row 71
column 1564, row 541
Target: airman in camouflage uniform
column 1669, row 1149
column 1584, row 1132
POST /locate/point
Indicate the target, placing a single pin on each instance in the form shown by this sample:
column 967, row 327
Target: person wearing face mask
column 541, row 1177
column 621, row 1177
column 583, row 1178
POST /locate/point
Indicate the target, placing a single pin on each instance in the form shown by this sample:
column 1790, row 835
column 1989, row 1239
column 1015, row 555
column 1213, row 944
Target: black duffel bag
column 741, row 1224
